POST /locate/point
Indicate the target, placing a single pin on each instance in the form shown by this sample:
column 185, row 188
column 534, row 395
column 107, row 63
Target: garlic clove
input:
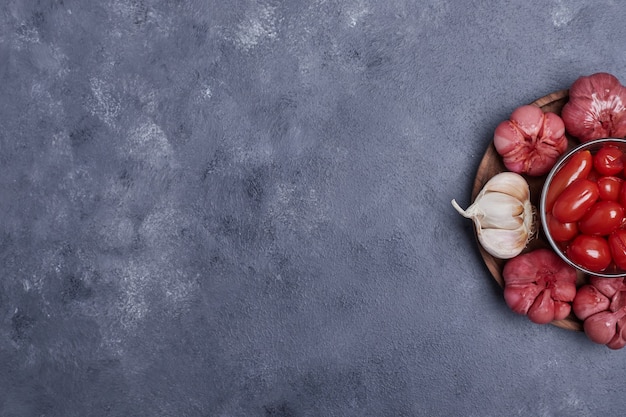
column 530, row 217
column 500, row 210
column 508, row 183
column 502, row 243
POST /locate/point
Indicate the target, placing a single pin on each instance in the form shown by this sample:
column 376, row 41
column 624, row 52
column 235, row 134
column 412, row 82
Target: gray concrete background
column 243, row 208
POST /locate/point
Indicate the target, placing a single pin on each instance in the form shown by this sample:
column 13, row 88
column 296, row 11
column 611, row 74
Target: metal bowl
column 593, row 146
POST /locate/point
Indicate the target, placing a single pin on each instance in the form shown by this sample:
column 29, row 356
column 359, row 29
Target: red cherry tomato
column 609, row 187
column 561, row 232
column 602, row 218
column 590, row 252
column 578, row 166
column 617, row 244
column 575, row 200
column 609, row 160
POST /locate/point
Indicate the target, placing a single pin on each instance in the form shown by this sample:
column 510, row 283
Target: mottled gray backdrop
column 242, row 208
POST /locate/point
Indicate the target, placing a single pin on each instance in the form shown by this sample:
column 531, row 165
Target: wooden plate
column 492, row 164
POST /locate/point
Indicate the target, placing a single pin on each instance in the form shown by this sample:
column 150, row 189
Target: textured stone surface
column 243, row 208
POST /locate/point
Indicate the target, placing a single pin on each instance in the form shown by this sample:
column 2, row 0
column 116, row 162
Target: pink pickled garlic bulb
column 531, row 141
column 596, row 108
column 540, row 285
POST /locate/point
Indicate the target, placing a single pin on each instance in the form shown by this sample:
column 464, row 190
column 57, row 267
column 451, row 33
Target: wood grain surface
column 490, row 165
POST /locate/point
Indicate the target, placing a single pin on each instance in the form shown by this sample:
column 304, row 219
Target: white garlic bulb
column 503, row 215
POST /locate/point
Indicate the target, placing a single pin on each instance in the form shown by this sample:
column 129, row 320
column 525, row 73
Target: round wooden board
column 490, row 165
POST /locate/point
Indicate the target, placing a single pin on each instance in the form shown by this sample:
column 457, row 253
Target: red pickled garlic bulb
column 531, row 141
column 539, row 284
column 601, row 305
column 596, row 108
